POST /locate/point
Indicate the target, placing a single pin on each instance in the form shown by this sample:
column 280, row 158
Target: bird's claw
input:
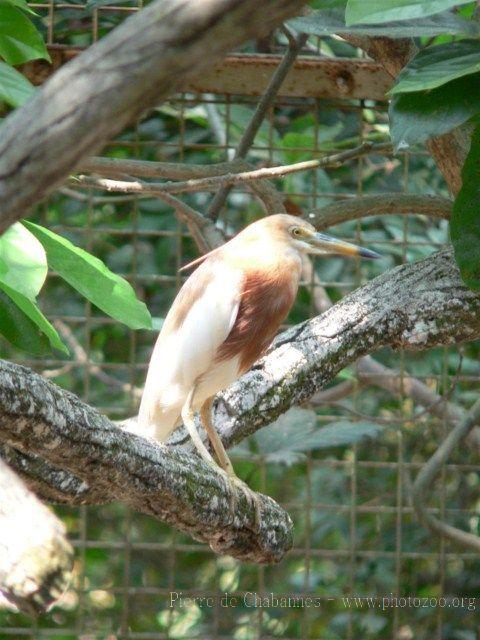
column 252, row 498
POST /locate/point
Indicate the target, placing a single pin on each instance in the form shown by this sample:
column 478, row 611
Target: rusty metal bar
column 248, row 75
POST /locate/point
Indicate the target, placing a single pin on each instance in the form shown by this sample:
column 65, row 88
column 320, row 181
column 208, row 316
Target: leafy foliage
column 89, row 275
column 15, row 89
column 26, row 251
column 20, row 41
column 330, row 21
column 435, row 66
column 416, row 117
column 465, row 223
column 23, row 263
column 378, row 11
column 41, row 326
column 287, row 439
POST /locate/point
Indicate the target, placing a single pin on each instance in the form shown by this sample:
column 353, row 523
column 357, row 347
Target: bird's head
column 303, row 236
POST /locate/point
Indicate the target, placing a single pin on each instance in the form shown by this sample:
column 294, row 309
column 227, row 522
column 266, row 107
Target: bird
column 222, row 320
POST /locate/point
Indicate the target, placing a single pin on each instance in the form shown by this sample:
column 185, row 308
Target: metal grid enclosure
column 356, row 535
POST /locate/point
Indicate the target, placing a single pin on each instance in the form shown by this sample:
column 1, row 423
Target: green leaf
column 465, row 221
column 19, row 39
column 435, row 66
column 23, row 324
column 416, row 117
column 24, row 259
column 92, row 278
column 15, row 89
column 21, row 4
column 378, row 11
column 328, row 22
column 33, row 313
column 327, row 4
column 296, row 432
column 19, row 330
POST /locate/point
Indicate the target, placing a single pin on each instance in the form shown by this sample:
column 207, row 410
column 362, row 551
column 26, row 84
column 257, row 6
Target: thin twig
column 85, row 197
column 204, row 232
column 263, row 106
column 116, row 168
column 212, row 182
column 81, row 356
column 429, row 472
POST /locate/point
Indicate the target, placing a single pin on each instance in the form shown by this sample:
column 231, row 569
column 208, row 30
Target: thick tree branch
column 35, row 557
column 413, row 306
column 39, row 418
column 137, row 65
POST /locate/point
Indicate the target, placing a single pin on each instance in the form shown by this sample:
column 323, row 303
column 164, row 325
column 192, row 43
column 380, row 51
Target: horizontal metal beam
column 310, row 77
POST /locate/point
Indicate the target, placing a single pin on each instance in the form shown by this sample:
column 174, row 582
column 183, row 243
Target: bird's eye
column 296, row 231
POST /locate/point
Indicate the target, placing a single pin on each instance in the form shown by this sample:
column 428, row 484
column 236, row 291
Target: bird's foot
column 252, row 498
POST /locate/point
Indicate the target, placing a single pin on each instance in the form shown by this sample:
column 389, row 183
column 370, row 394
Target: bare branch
column 213, row 182
column 204, row 232
column 117, row 168
column 264, row 104
column 333, row 394
column 430, row 471
column 35, row 561
column 85, row 197
column 373, row 373
column 81, row 356
column 384, row 204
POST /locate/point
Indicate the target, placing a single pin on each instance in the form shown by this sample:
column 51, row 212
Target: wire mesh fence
column 359, row 552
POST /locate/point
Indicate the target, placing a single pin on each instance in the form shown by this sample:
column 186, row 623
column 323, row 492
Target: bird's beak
column 322, row 244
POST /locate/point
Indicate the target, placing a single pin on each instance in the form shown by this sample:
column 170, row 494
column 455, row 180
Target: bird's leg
column 224, row 460
column 188, row 417
column 217, row 444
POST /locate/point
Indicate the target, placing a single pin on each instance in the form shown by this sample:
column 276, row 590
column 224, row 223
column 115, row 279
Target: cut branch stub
column 35, row 561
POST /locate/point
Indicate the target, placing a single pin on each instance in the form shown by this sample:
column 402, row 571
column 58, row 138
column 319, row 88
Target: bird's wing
column 197, row 324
